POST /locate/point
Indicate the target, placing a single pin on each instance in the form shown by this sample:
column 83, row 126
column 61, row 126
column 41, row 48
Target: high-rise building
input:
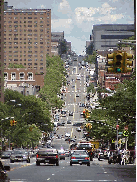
column 2, row 50
column 27, row 37
column 106, row 36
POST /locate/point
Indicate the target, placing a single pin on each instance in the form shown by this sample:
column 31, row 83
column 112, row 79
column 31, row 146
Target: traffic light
column 128, row 63
column 110, row 63
column 119, row 62
column 11, row 122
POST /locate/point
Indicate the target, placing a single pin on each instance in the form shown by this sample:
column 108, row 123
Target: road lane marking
column 92, row 180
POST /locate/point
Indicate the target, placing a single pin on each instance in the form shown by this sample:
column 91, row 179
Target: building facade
column 106, row 36
column 1, row 50
column 24, row 80
column 27, row 37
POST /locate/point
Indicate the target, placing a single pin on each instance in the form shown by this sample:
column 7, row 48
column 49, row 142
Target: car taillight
column 87, row 158
column 56, row 156
column 73, row 157
column 37, row 156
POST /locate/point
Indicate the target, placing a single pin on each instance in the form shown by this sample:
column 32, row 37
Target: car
column 69, row 122
column 78, row 129
column 49, row 156
column 70, row 113
column 79, row 157
column 100, row 156
column 3, row 174
column 70, row 139
column 19, row 156
column 61, row 154
column 6, row 154
column 67, row 134
column 67, row 153
column 63, row 122
column 77, row 95
column 73, row 86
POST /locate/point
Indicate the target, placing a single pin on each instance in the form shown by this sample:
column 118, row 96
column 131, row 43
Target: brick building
column 20, row 78
column 1, row 50
column 27, row 37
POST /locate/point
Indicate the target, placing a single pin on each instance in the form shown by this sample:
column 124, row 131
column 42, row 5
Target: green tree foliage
column 91, row 58
column 27, row 111
column 122, row 106
column 53, row 82
column 91, row 88
column 12, row 65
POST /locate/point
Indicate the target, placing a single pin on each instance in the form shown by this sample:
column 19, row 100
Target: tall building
column 27, row 37
column 2, row 50
column 106, row 36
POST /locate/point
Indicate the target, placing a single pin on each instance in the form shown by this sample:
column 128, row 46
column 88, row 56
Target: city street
column 97, row 171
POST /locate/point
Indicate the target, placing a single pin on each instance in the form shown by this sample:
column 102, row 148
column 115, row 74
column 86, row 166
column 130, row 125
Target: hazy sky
column 76, row 18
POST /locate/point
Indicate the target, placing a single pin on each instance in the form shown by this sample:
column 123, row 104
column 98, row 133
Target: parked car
column 49, row 156
column 79, row 157
column 19, row 156
column 61, row 154
column 6, row 154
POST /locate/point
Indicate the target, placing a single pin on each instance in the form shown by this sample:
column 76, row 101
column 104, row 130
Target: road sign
column 120, row 133
column 117, row 127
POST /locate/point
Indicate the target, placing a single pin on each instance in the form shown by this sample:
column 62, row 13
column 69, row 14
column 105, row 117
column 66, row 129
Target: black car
column 70, row 113
column 49, row 156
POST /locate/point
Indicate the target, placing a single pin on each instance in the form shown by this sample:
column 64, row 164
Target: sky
column 76, row 18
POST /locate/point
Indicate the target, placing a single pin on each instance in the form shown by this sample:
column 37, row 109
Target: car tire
column 109, row 162
column 57, row 163
column 11, row 161
column 37, row 163
column 88, row 164
column 70, row 164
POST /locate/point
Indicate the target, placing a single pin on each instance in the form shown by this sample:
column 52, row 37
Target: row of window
column 15, row 18
column 10, row 43
column 21, row 59
column 29, row 47
column 29, row 13
column 10, row 26
column 25, row 63
column 25, row 52
column 21, row 76
column 25, row 39
column 29, row 30
column 23, row 22
column 16, row 34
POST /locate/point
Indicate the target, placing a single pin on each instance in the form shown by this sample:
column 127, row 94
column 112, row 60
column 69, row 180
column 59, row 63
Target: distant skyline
column 76, row 18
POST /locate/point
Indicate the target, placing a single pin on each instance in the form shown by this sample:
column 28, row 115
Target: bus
column 63, row 113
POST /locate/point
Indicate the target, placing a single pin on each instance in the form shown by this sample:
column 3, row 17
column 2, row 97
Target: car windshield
column 84, row 146
column 6, row 152
column 19, row 152
column 79, row 153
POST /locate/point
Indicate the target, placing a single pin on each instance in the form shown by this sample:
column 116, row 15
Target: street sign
column 120, row 133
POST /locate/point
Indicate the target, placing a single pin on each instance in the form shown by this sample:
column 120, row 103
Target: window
column 29, row 21
column 35, row 63
column 15, row 59
column 29, row 25
column 35, row 17
column 13, row 76
column 5, row 76
column 41, row 68
column 30, row 76
column 29, row 17
column 21, row 76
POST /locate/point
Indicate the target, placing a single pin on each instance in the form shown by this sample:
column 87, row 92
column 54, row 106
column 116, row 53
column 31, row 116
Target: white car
column 67, row 135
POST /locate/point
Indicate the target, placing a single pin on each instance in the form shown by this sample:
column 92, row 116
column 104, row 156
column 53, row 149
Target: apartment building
column 27, row 37
column 2, row 50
